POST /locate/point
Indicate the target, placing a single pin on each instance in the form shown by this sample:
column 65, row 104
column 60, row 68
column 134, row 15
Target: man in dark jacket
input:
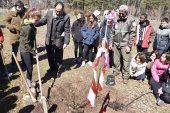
column 162, row 39
column 144, row 35
column 57, row 37
column 12, row 22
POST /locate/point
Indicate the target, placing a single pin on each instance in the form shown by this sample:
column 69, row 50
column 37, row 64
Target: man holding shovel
column 12, row 21
column 27, row 43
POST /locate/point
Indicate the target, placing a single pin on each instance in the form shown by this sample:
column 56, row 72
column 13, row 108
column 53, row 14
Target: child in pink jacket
column 159, row 72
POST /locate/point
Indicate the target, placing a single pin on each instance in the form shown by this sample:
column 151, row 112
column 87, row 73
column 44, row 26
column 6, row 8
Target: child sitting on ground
column 159, row 74
column 138, row 66
column 164, row 91
column 150, row 60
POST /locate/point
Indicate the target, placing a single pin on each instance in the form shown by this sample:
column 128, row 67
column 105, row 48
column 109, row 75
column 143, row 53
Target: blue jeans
column 141, row 77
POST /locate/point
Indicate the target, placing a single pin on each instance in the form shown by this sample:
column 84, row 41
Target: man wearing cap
column 121, row 40
column 12, row 22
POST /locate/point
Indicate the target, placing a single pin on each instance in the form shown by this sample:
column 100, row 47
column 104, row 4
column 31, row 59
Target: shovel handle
column 23, row 77
column 43, row 99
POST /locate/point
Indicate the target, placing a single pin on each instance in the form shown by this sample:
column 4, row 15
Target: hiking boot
column 75, row 60
column 10, row 74
column 33, row 90
column 125, row 81
column 79, row 60
column 90, row 63
column 160, row 102
column 83, row 63
column 50, row 70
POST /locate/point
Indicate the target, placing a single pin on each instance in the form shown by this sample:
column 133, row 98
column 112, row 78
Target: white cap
column 96, row 13
column 123, row 8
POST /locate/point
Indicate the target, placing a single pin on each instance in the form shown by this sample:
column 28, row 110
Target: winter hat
column 111, row 15
column 123, row 8
column 96, row 13
column 105, row 12
column 19, row 3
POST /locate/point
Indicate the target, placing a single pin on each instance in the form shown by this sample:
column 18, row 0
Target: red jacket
column 1, row 36
column 146, row 38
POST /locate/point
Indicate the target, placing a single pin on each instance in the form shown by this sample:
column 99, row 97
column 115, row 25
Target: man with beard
column 121, row 39
column 144, row 35
column 12, row 22
column 162, row 39
column 57, row 37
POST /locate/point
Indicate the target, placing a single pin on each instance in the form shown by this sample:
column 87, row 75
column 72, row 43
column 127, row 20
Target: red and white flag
column 97, row 84
column 93, row 88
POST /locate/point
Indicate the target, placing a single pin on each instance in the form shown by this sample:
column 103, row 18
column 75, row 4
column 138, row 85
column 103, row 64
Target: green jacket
column 27, row 37
column 12, row 21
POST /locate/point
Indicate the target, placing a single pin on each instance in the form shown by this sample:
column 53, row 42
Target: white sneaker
column 90, row 63
column 83, row 63
column 33, row 90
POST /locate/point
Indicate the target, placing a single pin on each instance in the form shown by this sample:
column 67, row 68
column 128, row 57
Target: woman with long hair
column 77, row 36
column 90, row 32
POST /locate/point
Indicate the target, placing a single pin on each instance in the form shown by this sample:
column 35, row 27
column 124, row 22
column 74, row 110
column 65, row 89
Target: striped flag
column 97, row 83
column 105, row 62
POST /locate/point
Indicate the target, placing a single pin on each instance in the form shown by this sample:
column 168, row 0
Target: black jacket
column 162, row 39
column 76, row 30
column 62, row 26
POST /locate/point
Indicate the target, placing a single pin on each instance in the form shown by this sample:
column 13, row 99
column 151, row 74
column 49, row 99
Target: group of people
column 121, row 33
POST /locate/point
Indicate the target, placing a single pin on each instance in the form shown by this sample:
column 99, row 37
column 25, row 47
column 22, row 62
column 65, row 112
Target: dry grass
column 68, row 93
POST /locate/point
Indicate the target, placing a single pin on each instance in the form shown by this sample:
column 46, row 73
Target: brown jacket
column 13, row 21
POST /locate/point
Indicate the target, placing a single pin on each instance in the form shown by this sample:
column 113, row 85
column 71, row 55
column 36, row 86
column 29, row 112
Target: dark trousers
column 88, row 49
column 155, row 86
column 55, row 57
column 78, row 45
column 95, row 50
column 140, row 77
column 140, row 49
column 28, row 62
column 15, row 47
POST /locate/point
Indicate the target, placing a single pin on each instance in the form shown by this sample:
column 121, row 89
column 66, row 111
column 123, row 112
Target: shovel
column 42, row 99
column 23, row 78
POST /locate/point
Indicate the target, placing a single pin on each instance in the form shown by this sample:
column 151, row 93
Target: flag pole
column 101, row 65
